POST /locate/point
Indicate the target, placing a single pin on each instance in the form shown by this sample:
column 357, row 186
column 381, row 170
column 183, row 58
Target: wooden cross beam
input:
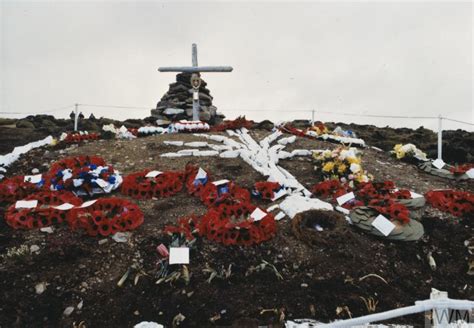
column 195, row 68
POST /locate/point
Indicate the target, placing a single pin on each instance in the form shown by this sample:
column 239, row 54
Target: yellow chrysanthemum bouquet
column 342, row 163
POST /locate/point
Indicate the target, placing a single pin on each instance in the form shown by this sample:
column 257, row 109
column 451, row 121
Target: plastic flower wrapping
column 409, row 151
column 342, row 163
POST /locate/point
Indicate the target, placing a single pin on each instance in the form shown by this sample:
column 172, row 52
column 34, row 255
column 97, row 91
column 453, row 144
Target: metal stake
column 75, row 116
column 440, row 137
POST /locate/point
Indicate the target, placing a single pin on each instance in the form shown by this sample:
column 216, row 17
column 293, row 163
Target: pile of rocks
column 177, row 103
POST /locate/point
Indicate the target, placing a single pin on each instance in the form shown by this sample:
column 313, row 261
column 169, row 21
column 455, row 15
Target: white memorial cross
column 196, row 77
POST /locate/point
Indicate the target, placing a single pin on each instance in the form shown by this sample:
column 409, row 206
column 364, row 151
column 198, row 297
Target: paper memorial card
column 382, row 224
column 470, row 173
column 258, row 214
column 201, row 174
column 64, row 207
column 220, row 182
column 26, row 203
column 179, row 255
column 153, row 174
column 33, row 178
column 341, row 200
column 438, row 163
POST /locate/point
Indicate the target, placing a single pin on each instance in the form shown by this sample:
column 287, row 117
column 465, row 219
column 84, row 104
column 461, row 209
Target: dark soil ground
column 317, row 278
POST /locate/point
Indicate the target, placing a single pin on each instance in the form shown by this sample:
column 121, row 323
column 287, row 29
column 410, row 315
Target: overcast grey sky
column 384, row 58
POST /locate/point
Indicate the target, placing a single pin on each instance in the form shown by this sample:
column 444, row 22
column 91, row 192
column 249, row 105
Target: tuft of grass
column 7, row 121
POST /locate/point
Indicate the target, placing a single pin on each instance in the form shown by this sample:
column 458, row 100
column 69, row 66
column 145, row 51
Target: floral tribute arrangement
column 458, row 203
column 461, row 169
column 106, row 216
column 265, row 189
column 148, row 184
column 343, row 164
column 231, row 219
column 381, row 196
column 238, row 123
column 44, row 214
column 18, row 187
column 409, row 151
column 76, row 137
column 84, row 175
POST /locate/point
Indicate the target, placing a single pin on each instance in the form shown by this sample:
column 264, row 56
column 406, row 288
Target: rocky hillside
column 458, row 145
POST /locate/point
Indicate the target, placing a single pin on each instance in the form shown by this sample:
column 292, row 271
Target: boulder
column 25, row 124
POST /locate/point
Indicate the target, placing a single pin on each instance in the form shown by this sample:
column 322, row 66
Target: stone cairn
column 177, row 103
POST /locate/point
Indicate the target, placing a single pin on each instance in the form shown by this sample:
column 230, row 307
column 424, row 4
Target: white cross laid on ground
column 195, row 77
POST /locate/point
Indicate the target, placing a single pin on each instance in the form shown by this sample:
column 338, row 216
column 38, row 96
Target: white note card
column 258, row 214
column 220, row 182
column 438, row 163
column 26, row 203
column 345, row 198
column 179, row 255
column 33, row 178
column 382, row 224
column 201, row 174
column 153, row 174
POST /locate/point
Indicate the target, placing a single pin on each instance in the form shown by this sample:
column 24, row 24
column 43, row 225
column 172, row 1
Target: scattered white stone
column 173, row 143
column 205, row 153
column 103, row 241
column 34, row 248
column 67, row 312
column 40, row 288
column 286, row 141
column 35, row 171
column 47, row 229
column 230, row 154
column 121, row 237
column 80, row 305
column 197, row 144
